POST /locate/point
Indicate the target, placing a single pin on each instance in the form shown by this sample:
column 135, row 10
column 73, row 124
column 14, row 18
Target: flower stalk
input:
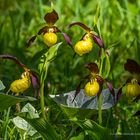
column 45, row 60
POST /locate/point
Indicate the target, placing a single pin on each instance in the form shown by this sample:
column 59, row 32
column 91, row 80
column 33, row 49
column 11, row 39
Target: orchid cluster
column 95, row 80
column 83, row 46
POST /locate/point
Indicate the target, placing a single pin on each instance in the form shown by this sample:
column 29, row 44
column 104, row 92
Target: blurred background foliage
column 117, row 22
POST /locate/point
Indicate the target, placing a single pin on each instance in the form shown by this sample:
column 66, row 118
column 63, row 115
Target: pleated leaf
column 44, row 128
column 94, row 130
column 7, row 100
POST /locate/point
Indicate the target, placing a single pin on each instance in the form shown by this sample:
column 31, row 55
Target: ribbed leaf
column 94, row 130
column 7, row 100
column 44, row 128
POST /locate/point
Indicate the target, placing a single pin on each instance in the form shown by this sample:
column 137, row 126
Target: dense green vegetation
column 116, row 22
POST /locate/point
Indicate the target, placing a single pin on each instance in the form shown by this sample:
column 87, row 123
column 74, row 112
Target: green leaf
column 20, row 123
column 44, row 128
column 105, row 64
column 24, row 125
column 79, row 137
column 47, row 58
column 2, row 87
column 8, row 100
column 28, row 108
column 94, row 130
column 97, row 15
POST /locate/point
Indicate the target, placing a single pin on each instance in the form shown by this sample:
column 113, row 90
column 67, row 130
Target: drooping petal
column 7, row 56
column 67, row 39
column 31, row 40
column 51, row 18
column 43, row 30
column 35, row 83
column 100, row 80
column 110, row 87
column 77, row 90
column 79, row 24
column 119, row 93
column 93, row 67
column 98, row 41
column 132, row 66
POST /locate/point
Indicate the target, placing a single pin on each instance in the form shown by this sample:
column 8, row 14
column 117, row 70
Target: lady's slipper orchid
column 49, row 31
column 27, row 77
column 85, row 45
column 95, row 82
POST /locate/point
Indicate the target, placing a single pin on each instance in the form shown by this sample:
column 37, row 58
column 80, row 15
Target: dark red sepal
column 51, row 18
column 132, row 66
column 7, row 56
column 81, row 25
column 93, row 67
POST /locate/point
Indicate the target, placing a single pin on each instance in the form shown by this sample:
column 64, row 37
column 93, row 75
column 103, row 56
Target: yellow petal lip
column 20, row 85
column 132, row 90
column 83, row 47
column 92, row 88
column 50, row 39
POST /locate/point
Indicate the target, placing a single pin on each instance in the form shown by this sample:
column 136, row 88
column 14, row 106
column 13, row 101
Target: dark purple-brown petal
column 132, row 66
column 81, row 25
column 119, row 93
column 110, row 87
column 98, row 40
column 31, row 40
column 51, row 18
column 67, row 39
column 93, row 67
column 35, row 84
column 43, row 30
column 7, row 56
column 78, row 88
column 100, row 80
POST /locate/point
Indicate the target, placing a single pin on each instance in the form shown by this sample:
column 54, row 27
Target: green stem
column 42, row 99
column 100, row 109
column 42, row 80
column 43, row 66
column 100, row 95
